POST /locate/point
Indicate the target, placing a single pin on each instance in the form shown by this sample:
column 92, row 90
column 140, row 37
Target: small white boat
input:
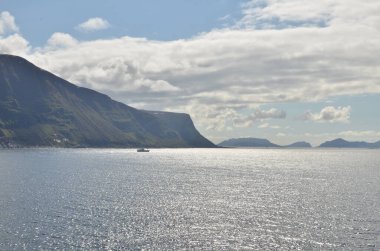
column 143, row 150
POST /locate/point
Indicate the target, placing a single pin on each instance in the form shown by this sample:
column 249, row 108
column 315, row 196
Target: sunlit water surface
column 190, row 199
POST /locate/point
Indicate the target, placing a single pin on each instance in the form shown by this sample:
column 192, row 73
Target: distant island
column 264, row 143
column 38, row 108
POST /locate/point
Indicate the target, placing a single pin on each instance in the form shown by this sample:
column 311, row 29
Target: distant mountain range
column 38, row 108
column 341, row 143
column 259, row 143
column 264, row 143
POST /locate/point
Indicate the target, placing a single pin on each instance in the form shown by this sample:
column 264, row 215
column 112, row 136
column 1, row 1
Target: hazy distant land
column 264, row 143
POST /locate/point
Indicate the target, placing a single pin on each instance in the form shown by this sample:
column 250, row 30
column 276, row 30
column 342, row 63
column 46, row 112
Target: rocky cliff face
column 38, row 108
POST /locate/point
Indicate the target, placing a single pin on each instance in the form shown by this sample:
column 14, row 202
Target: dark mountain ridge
column 38, row 108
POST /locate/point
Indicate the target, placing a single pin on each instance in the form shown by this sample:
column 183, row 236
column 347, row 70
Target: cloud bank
column 279, row 51
column 258, row 115
column 60, row 40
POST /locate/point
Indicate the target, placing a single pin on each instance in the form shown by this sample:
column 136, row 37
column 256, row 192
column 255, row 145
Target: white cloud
column 94, row 24
column 61, row 40
column 14, row 44
column 7, row 23
column 267, row 125
column 262, row 126
column 330, row 114
column 211, row 117
column 258, row 115
column 271, row 113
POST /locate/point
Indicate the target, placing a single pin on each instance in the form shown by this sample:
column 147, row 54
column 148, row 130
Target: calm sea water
column 190, row 199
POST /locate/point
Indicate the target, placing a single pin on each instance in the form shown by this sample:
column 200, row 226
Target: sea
column 189, row 199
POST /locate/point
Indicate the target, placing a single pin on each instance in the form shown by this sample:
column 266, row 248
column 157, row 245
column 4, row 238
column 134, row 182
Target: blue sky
column 157, row 20
column 286, row 70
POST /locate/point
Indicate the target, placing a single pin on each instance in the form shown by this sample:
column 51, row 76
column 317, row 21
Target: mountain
column 376, row 144
column 38, row 108
column 341, row 143
column 301, row 144
column 247, row 142
column 182, row 124
column 259, row 143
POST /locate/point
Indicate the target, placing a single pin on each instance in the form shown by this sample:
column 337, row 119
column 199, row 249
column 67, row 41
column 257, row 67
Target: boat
column 143, row 150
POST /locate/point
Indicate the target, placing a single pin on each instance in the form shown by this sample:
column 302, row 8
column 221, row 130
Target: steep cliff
column 38, row 108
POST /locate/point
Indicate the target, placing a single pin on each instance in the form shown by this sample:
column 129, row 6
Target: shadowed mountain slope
column 38, row 108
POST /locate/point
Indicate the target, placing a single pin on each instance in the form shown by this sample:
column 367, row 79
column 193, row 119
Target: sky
column 285, row 70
